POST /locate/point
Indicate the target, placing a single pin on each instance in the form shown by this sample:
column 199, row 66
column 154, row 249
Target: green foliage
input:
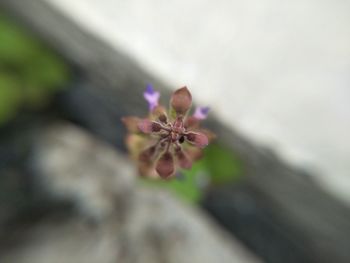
column 222, row 164
column 10, row 96
column 29, row 72
column 218, row 166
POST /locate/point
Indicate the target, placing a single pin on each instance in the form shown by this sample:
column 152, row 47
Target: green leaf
column 10, row 97
column 222, row 164
column 30, row 73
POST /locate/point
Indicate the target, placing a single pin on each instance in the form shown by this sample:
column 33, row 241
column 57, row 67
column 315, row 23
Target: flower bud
column 162, row 118
column 165, row 165
column 181, row 100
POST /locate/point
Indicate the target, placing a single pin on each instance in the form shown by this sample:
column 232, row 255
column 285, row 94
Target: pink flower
column 166, row 140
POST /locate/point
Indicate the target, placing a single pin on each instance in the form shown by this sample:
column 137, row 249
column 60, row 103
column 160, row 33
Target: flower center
column 172, row 133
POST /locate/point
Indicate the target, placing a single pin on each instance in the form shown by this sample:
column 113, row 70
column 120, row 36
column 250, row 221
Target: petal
column 147, row 154
column 131, row 123
column 149, row 89
column 156, row 127
column 198, row 139
column 147, row 126
column 151, row 96
column 191, row 122
column 183, row 160
column 165, row 165
column 201, row 113
column 181, row 100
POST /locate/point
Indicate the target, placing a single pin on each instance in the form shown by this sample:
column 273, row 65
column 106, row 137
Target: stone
column 114, row 218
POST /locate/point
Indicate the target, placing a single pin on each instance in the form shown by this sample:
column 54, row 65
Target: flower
column 151, row 96
column 163, row 140
column 201, row 113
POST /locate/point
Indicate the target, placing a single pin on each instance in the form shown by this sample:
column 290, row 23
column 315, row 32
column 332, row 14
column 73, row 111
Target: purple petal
column 149, row 89
column 201, row 113
column 151, row 96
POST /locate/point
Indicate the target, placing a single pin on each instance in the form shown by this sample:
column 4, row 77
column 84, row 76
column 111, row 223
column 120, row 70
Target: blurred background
column 273, row 187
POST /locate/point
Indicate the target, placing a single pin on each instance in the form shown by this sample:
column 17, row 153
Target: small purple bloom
column 151, row 96
column 201, row 113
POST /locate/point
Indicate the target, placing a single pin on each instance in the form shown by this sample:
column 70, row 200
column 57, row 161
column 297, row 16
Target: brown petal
column 147, row 126
column 131, row 123
column 165, row 165
column 147, row 154
column 181, row 100
column 183, row 160
column 191, row 122
column 156, row 127
column 198, row 139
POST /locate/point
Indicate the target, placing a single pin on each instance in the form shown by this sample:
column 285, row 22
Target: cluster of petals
column 165, row 140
